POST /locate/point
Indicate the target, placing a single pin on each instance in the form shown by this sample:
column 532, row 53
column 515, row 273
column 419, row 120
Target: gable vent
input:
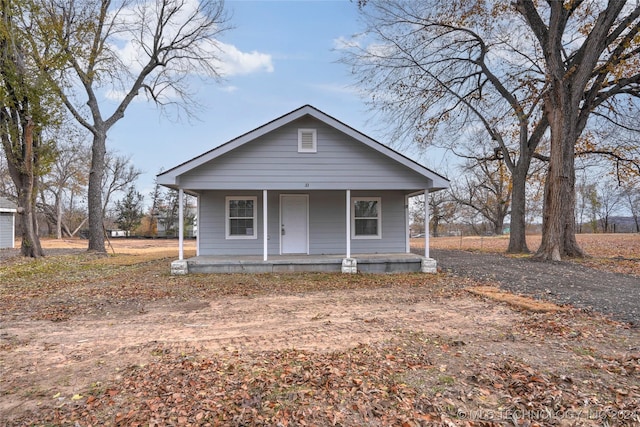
column 307, row 141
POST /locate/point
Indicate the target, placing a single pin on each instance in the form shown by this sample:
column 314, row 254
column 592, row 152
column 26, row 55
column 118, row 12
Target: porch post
column 264, row 225
column 426, row 223
column 348, row 223
column 197, row 233
column 407, row 230
column 181, row 224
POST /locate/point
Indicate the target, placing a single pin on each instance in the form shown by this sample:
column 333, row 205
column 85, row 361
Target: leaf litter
column 402, row 350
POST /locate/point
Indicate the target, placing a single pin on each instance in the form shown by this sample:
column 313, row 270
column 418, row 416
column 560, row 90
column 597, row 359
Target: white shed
column 7, row 223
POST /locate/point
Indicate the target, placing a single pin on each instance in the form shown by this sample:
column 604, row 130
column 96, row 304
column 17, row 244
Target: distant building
column 7, row 223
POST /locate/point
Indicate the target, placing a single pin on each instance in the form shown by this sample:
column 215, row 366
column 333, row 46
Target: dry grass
column 618, row 253
column 122, row 246
column 596, row 245
column 623, row 246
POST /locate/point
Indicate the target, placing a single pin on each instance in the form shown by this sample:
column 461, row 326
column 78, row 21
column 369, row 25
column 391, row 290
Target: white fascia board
column 9, row 210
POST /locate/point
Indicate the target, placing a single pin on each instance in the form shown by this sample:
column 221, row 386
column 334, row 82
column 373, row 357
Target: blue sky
column 284, row 58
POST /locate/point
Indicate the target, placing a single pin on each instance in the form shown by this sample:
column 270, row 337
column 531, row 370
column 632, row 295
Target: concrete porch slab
column 366, row 263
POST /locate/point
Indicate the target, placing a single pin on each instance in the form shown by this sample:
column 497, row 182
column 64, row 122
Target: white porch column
column 197, row 233
column 407, row 230
column 181, row 224
column 348, row 223
column 265, row 236
column 349, row 265
column 426, row 223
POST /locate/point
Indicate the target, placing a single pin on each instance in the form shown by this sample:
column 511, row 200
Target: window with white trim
column 307, row 141
column 366, row 217
column 241, row 215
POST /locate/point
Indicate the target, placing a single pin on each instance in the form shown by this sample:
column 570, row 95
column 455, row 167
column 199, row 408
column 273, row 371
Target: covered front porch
column 364, row 263
column 371, row 258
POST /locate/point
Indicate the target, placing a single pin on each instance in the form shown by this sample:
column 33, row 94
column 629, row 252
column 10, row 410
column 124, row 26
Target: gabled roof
column 170, row 176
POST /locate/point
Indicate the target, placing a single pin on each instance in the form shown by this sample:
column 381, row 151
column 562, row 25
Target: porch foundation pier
column 428, row 265
column 179, row 268
column 349, row 266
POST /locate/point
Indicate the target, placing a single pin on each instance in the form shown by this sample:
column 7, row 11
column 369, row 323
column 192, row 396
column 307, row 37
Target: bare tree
column 172, row 40
column 586, row 204
column 168, row 212
column 485, row 187
column 442, row 209
column 66, row 177
column 443, row 71
column 631, row 196
column 119, row 175
column 590, row 52
column 609, row 198
column 517, row 70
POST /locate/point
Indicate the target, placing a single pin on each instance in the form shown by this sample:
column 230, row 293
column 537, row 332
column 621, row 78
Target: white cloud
column 362, row 45
column 229, row 89
column 227, row 59
column 235, row 62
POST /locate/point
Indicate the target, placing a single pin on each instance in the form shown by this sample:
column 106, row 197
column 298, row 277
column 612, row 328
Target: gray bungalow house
column 304, row 192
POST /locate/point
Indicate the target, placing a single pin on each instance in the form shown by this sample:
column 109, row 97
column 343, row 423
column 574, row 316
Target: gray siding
column 211, row 226
column 327, row 225
column 6, row 230
column 393, row 225
column 272, row 162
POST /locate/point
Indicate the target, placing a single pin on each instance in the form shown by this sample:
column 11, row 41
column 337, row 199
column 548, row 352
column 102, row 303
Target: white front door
column 294, row 223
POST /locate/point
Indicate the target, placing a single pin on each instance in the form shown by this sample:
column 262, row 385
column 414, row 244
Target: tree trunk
column 435, row 224
column 59, row 215
column 30, row 246
column 96, row 226
column 558, row 220
column 25, row 183
column 498, row 226
column 26, row 198
column 518, row 236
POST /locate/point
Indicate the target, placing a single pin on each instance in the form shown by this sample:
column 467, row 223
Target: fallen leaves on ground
column 412, row 380
column 58, row 288
column 398, row 383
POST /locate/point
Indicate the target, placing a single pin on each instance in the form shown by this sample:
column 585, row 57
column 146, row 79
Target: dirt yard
column 86, row 340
